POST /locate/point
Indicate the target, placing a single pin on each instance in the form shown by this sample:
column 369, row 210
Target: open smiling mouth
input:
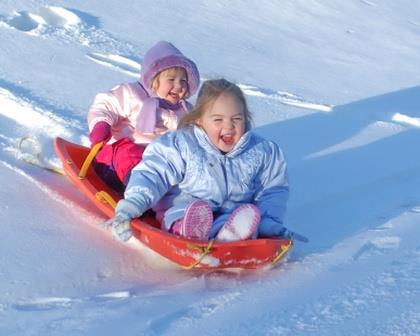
column 174, row 95
column 227, row 139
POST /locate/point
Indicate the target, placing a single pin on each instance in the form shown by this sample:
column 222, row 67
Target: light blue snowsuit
column 184, row 165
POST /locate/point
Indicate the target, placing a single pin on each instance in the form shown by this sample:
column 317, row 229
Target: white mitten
column 120, row 227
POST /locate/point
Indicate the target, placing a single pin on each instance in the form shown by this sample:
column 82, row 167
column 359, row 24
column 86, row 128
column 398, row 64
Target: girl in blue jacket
column 212, row 178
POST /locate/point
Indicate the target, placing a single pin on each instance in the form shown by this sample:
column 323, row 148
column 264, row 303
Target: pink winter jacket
column 120, row 108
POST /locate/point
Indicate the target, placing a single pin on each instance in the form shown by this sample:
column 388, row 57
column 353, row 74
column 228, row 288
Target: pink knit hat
column 164, row 55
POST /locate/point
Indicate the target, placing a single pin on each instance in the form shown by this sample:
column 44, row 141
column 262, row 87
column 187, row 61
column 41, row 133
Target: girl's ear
column 198, row 122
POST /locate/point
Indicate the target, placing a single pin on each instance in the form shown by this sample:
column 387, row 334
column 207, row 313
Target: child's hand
column 120, row 227
column 100, row 132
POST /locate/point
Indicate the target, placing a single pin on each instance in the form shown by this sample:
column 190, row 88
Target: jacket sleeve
column 161, row 168
column 110, row 106
column 273, row 192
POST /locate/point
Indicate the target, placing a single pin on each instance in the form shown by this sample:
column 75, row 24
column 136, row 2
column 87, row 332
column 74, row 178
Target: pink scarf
column 146, row 120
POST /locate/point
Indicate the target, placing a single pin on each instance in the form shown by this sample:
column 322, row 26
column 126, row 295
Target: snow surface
column 335, row 83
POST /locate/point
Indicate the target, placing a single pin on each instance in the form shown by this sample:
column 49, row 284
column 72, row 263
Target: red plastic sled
column 185, row 252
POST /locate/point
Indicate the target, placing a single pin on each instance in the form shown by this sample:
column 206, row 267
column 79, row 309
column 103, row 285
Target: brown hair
column 209, row 92
column 169, row 71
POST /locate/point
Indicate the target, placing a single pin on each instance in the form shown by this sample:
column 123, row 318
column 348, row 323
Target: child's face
column 224, row 122
column 173, row 85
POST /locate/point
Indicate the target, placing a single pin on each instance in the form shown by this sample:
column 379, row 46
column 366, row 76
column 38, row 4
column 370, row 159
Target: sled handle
column 282, row 251
column 205, row 251
column 104, row 197
column 95, row 149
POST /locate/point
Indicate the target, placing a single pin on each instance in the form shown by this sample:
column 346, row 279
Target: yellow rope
column 104, row 197
column 95, row 149
column 205, row 251
column 282, row 252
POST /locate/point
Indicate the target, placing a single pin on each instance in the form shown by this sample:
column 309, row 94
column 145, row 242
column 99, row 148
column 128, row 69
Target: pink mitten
column 100, row 132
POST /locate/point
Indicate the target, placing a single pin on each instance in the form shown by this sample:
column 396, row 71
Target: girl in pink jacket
column 131, row 115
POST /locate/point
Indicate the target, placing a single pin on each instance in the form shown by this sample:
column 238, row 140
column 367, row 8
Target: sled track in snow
column 73, row 26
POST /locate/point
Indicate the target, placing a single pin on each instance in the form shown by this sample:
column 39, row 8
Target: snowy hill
column 335, row 83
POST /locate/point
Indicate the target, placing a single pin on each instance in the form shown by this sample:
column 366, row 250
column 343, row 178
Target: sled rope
column 39, row 160
column 95, row 149
column 282, row 252
column 104, row 197
column 205, row 251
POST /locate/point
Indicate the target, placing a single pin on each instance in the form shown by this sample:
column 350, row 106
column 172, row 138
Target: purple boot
column 197, row 221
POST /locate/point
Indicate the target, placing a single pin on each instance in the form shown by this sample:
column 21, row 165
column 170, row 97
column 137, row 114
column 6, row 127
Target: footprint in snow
column 68, row 26
column 59, row 17
column 56, row 17
column 74, row 26
column 23, row 21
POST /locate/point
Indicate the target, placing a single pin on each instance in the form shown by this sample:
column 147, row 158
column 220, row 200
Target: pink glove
column 100, row 132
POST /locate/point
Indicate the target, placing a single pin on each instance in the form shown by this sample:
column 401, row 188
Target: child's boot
column 241, row 225
column 197, row 221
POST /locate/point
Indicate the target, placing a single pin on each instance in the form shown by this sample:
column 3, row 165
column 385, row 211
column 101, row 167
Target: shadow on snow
column 337, row 194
